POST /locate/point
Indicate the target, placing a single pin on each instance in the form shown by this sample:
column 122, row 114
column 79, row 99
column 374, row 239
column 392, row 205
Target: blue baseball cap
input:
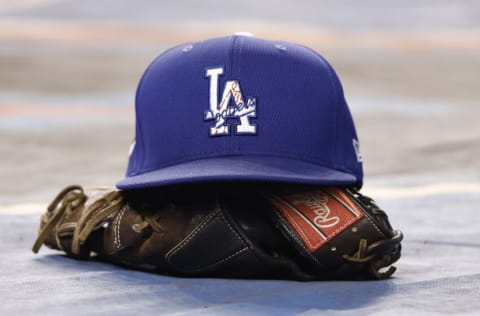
column 241, row 108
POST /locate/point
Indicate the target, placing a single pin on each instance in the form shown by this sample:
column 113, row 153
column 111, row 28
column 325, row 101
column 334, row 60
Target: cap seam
column 133, row 185
column 335, row 100
column 226, row 142
column 139, row 142
column 237, row 55
column 337, row 107
column 146, row 73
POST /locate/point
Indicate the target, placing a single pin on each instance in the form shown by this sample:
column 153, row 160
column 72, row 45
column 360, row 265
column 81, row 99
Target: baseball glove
column 235, row 231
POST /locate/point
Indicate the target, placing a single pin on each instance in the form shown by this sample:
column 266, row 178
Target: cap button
column 248, row 34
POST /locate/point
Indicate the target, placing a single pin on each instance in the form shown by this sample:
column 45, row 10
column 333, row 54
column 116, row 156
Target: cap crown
column 242, row 96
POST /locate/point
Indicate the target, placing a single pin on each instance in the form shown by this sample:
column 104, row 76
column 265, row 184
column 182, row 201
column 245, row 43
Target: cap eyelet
column 281, row 47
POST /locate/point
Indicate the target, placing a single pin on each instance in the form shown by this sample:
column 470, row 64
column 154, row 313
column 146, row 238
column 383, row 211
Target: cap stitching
column 245, row 153
column 237, row 54
column 229, row 70
column 333, row 82
column 335, row 100
column 140, row 142
column 139, row 138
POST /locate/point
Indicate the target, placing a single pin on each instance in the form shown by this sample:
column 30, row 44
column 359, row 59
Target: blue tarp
column 439, row 273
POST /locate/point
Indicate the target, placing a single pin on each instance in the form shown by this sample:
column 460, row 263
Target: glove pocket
column 214, row 247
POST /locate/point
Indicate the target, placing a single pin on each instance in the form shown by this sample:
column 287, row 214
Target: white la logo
column 223, row 111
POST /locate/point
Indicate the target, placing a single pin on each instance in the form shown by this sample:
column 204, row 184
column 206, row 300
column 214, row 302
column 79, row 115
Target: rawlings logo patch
column 317, row 216
column 226, row 109
column 317, row 204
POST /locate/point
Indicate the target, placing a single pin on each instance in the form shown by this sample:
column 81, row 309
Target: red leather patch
column 319, row 215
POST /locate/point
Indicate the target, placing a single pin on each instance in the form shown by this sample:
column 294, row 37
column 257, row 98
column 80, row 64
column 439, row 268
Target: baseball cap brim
column 239, row 168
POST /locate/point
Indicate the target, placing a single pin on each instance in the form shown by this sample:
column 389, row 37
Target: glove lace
column 149, row 220
column 375, row 264
column 95, row 215
column 379, row 254
column 69, row 199
column 63, row 204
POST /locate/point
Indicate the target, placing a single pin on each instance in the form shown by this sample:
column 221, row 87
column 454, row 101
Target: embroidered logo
column 232, row 106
